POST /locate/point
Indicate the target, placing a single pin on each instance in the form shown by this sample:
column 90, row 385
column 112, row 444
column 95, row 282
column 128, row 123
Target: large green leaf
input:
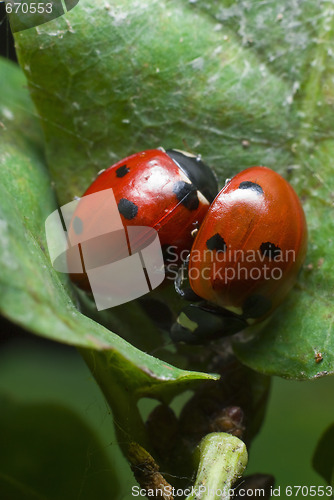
column 32, row 293
column 240, row 82
column 114, row 79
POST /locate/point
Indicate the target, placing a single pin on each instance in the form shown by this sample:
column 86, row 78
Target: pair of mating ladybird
column 246, row 242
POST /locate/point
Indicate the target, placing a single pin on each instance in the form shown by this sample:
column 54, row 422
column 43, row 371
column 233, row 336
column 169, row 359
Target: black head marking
column 77, row 225
column 216, row 242
column 186, row 194
column 197, row 172
column 251, row 185
column 121, row 171
column 270, row 250
column 256, row 306
column 197, row 325
column 127, row 208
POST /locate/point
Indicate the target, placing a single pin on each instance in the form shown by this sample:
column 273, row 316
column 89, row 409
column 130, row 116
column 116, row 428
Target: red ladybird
column 169, row 191
column 246, row 255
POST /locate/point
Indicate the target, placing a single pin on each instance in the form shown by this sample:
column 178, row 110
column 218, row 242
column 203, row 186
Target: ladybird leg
column 197, row 325
column 182, row 285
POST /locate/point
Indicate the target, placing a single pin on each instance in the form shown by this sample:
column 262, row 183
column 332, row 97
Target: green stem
column 222, row 460
column 129, row 425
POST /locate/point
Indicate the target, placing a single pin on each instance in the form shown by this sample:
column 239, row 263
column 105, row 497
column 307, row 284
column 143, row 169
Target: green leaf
column 32, row 293
column 323, row 458
column 242, row 83
column 151, row 74
column 50, row 453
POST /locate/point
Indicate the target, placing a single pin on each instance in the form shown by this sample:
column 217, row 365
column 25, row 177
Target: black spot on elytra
column 121, row 171
column 256, row 306
column 77, row 225
column 270, row 250
column 186, row 194
column 127, row 208
column 216, row 242
column 251, row 185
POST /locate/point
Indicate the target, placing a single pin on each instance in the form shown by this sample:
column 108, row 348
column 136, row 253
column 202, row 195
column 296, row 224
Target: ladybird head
column 198, row 172
column 200, row 323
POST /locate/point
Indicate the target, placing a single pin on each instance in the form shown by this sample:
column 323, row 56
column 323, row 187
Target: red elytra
column 250, row 246
column 158, row 189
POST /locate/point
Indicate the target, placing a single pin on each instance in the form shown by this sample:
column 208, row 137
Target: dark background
column 6, row 37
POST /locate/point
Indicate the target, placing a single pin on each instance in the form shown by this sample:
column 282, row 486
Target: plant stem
column 222, row 460
column 129, row 426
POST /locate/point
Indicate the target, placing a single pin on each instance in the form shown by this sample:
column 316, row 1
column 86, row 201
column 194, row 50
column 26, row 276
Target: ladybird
column 169, row 191
column 246, row 255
